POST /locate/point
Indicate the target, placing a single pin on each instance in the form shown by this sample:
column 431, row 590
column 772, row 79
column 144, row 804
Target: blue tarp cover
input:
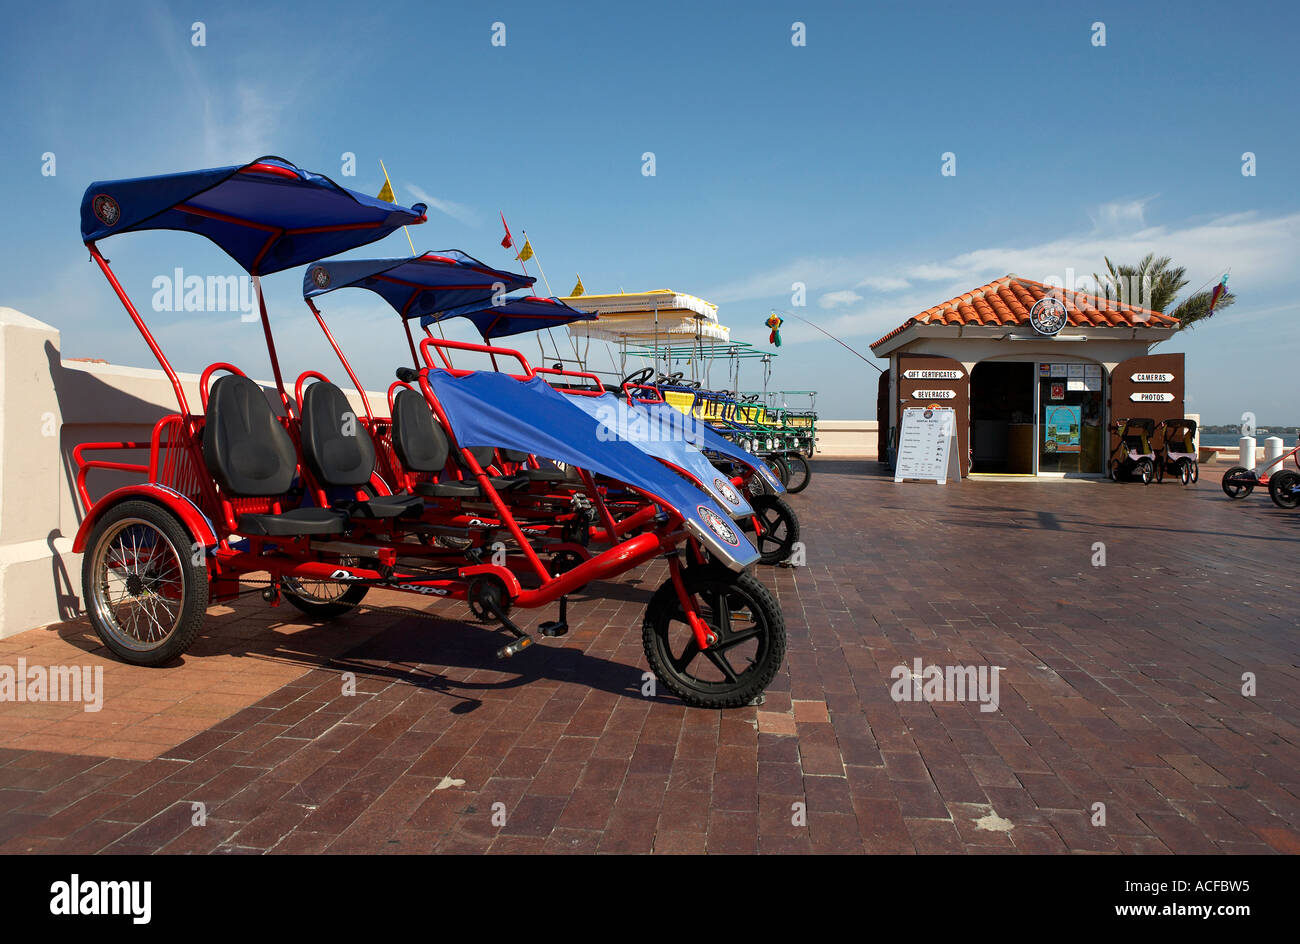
column 710, row 440
column 490, row 409
column 267, row 215
column 514, row 316
column 417, row 286
column 639, row 427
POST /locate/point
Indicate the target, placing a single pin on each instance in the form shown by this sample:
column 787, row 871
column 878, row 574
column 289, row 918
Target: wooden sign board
column 927, row 446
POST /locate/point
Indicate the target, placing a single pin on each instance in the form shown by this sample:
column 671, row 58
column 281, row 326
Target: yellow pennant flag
column 577, row 289
column 526, row 253
column 386, row 194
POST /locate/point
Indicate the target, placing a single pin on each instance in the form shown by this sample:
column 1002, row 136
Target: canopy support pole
column 144, row 330
column 270, row 349
column 365, row 401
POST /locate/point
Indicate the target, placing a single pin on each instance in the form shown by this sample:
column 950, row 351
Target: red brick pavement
column 1121, row 685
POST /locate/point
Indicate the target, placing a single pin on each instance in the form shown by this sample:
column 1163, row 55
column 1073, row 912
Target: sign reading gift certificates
column 938, row 374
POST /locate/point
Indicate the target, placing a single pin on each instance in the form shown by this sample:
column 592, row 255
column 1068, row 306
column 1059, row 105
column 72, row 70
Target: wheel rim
column 139, row 586
column 319, row 591
column 774, row 538
column 743, row 639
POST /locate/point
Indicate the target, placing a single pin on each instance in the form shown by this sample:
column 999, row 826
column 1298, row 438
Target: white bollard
column 1272, row 449
column 1246, row 452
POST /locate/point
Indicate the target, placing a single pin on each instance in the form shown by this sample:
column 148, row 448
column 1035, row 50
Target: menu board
column 927, row 446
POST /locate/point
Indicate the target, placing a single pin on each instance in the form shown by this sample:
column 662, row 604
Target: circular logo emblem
column 718, row 526
column 106, row 209
column 1049, row 315
column 928, row 413
column 726, row 491
column 320, row 277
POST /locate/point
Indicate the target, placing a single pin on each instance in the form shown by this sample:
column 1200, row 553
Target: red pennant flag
column 506, row 242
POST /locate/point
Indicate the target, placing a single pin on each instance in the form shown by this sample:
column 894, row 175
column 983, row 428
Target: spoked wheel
column 778, row 528
column 325, row 599
column 778, row 467
column 1196, row 471
column 1284, row 488
column 1114, row 470
column 750, row 638
column 145, row 594
column 1237, row 490
column 1160, row 472
column 800, row 473
column 1145, row 470
column 1185, row 471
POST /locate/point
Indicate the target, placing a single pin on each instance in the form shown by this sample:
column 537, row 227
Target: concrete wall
column 846, row 438
column 47, row 408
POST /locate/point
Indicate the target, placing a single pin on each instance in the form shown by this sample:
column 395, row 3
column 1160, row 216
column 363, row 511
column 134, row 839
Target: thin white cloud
column 839, row 299
column 884, row 283
column 457, row 211
column 1121, row 214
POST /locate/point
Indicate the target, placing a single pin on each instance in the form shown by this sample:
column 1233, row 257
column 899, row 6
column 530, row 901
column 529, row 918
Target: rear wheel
column 778, row 528
column 800, row 473
column 1145, row 470
column 144, row 592
column 749, row 633
column 323, row 599
column 1160, row 472
column 1237, row 489
column 1284, row 488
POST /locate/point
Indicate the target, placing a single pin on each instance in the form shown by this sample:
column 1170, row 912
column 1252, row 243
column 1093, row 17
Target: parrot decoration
column 774, row 325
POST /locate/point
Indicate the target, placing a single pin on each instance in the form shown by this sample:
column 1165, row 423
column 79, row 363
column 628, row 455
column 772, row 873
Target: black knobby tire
column 1282, row 488
column 691, row 674
column 1234, row 490
column 800, row 473
column 779, row 528
column 314, row 600
column 142, row 551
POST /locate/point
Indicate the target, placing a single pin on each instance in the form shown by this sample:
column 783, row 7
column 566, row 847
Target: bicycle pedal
column 553, row 628
column 514, row 648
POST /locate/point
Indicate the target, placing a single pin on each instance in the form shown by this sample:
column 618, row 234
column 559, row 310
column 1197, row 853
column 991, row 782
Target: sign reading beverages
column 1151, row 397
column 934, row 395
column 1152, row 378
column 933, row 374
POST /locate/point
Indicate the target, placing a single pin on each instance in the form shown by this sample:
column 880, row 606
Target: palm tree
column 1155, row 283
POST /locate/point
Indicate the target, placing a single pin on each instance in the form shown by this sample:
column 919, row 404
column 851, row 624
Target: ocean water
column 1230, row 439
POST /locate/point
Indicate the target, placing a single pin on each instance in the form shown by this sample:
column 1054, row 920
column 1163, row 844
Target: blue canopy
column 514, row 316
column 417, row 286
column 648, row 432
column 490, row 409
column 708, row 439
column 268, row 215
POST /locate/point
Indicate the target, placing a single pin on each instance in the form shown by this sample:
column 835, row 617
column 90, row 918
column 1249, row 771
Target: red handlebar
column 441, row 343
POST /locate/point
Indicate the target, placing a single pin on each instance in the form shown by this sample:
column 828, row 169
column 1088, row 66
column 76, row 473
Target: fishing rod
column 835, row 339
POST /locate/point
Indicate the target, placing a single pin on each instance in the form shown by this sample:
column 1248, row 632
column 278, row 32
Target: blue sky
column 774, row 163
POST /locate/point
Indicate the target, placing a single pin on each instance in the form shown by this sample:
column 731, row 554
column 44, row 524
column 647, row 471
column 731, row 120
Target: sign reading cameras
column 1152, row 378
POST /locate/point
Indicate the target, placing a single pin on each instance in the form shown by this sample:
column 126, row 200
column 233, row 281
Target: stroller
column 1176, row 453
column 1133, row 456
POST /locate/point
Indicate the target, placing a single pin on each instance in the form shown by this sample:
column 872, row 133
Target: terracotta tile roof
column 1007, row 301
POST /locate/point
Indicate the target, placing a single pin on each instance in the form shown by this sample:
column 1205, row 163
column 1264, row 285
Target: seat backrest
column 245, row 447
column 483, row 455
column 336, row 447
column 420, row 443
column 514, row 455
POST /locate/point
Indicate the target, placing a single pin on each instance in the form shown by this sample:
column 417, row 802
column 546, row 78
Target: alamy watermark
column 181, row 292
column 39, row 683
column 951, row 683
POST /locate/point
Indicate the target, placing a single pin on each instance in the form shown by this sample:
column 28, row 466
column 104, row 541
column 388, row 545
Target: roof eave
column 915, row 332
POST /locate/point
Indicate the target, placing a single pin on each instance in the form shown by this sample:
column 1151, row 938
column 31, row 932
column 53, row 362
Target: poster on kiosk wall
column 927, row 446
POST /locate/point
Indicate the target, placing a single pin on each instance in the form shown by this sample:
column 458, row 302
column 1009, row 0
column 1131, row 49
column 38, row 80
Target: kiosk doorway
column 1002, row 417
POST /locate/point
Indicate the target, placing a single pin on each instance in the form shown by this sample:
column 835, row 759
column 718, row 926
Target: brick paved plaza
column 1120, row 685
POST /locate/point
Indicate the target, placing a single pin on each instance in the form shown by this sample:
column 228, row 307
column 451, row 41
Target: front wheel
column 800, row 473
column 145, row 583
column 778, row 528
column 1284, row 488
column 1145, row 470
column 1233, row 487
column 748, row 633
